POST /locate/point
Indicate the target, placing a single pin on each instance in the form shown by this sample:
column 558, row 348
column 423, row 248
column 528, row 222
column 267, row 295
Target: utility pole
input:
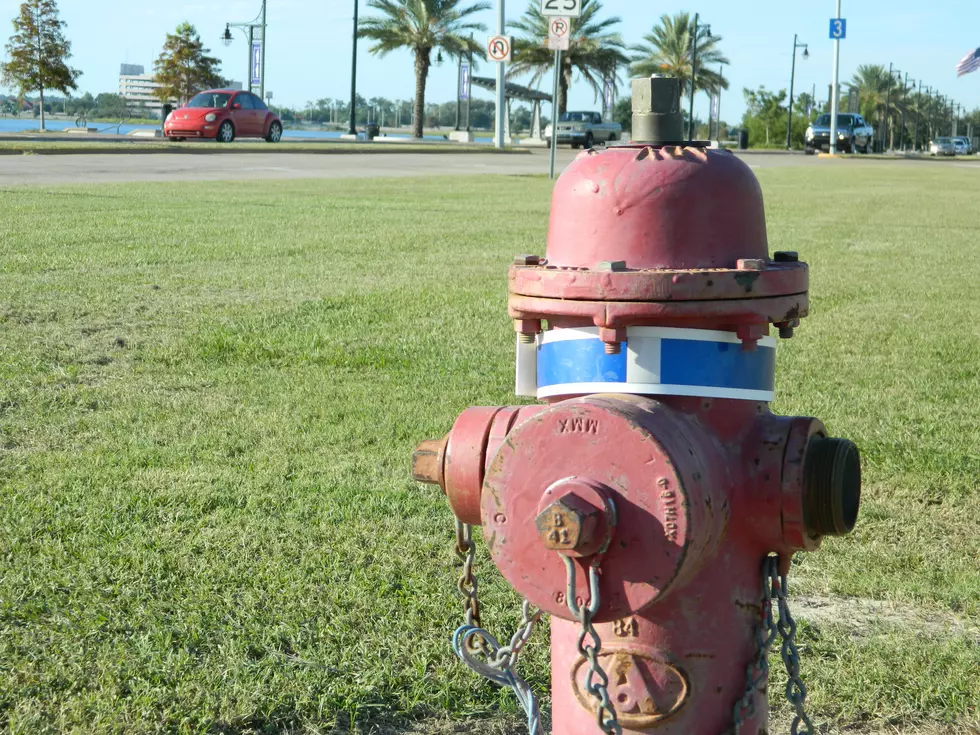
column 352, row 130
column 792, row 80
column 834, row 91
column 905, row 103
column 694, row 76
column 888, row 100
column 918, row 109
column 501, row 81
column 262, row 79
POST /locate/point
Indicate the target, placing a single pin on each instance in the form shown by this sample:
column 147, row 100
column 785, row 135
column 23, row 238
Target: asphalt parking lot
column 136, row 167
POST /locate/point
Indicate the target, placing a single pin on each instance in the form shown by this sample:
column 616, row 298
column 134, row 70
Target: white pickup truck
column 585, row 129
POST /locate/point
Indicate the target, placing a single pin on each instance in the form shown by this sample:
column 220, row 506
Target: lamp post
column 352, row 130
column 905, row 103
column 694, row 74
column 918, row 109
column 256, row 48
column 888, row 100
column 721, row 69
column 792, row 79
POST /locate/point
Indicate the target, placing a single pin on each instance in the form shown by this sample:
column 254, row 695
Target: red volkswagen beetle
column 223, row 114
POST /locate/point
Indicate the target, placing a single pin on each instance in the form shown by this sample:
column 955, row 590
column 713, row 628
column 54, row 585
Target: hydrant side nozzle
column 831, row 486
column 428, row 462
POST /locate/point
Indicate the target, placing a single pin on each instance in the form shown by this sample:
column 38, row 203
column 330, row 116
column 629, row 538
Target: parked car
column 223, row 114
column 963, row 146
column 585, row 129
column 853, row 134
column 942, row 147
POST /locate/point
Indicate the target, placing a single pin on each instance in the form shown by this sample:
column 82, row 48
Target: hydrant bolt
column 786, row 256
column 751, row 264
column 566, row 527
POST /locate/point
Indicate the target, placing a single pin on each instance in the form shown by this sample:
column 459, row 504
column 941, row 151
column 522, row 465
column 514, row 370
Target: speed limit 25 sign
column 566, row 8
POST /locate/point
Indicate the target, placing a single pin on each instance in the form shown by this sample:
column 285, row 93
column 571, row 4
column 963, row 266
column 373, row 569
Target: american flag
column 970, row 62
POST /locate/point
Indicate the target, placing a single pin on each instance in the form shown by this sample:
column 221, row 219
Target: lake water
column 26, row 124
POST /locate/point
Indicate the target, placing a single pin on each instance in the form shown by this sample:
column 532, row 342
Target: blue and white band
column 654, row 361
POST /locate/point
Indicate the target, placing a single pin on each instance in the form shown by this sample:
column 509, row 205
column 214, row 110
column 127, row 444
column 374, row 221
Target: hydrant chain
column 795, row 688
column 467, row 584
column 757, row 672
column 471, row 640
column 606, row 712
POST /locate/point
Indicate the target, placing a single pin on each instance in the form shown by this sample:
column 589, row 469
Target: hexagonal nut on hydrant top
column 570, row 526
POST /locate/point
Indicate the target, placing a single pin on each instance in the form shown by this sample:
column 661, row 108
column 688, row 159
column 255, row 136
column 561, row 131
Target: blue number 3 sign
column 838, row 28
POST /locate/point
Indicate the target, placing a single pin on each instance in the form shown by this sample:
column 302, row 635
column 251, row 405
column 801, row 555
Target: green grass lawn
column 209, row 395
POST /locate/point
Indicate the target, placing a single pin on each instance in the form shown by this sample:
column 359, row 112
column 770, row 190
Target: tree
column 38, row 52
column 594, row 51
column 876, row 86
column 764, row 111
column 423, row 26
column 184, row 68
column 667, row 50
column 623, row 112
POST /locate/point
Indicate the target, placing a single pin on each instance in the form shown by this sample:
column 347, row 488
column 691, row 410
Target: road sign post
column 503, row 50
column 554, row 113
column 838, row 30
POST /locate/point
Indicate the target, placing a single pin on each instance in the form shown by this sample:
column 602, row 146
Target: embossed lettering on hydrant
column 669, row 498
column 578, row 426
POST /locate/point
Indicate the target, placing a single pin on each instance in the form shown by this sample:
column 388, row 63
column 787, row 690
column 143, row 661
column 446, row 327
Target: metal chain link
column 795, row 688
column 471, row 641
column 501, row 661
column 757, row 672
column 606, row 712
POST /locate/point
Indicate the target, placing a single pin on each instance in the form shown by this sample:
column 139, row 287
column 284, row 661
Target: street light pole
column 249, row 30
column 918, row 109
column 905, row 103
column 721, row 71
column 792, row 80
column 262, row 75
column 694, row 76
column 834, row 93
column 352, row 129
column 888, row 100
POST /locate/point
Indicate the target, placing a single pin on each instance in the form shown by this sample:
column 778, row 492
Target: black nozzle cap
column 831, row 486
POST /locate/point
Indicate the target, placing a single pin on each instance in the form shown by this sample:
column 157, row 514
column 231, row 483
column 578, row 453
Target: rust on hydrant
column 652, row 458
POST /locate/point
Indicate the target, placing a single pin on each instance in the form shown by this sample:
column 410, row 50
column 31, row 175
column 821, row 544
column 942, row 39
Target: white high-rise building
column 137, row 89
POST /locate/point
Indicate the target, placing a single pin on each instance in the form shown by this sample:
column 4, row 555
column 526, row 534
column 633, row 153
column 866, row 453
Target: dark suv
column 853, row 134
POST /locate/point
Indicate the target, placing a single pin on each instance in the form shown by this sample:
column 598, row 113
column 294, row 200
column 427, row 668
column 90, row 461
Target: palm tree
column 594, row 51
column 667, row 50
column 422, row 26
column 875, row 85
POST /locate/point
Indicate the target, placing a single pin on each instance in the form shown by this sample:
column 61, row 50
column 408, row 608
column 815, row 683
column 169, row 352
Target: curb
column 391, row 148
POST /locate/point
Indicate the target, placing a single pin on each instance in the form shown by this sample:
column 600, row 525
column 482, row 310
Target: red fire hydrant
column 651, row 506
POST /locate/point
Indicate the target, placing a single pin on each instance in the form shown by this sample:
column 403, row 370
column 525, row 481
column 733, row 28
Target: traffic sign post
column 839, row 26
column 562, row 8
column 554, row 113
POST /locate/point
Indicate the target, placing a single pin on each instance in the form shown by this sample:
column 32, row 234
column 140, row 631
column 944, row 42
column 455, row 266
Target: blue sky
column 308, row 54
